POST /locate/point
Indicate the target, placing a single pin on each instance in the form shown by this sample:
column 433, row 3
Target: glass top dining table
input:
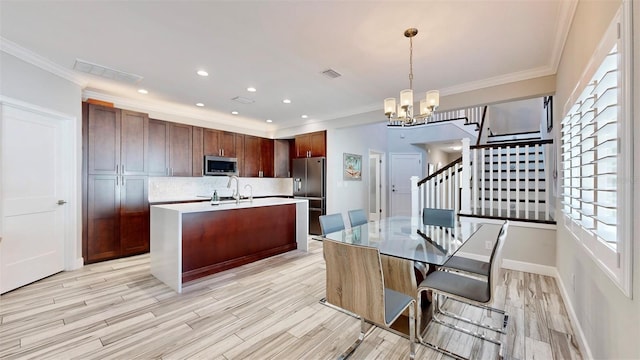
column 408, row 238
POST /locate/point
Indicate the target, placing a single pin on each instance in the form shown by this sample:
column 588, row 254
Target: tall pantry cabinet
column 115, row 186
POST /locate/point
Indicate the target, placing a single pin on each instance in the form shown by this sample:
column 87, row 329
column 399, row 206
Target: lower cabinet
column 117, row 217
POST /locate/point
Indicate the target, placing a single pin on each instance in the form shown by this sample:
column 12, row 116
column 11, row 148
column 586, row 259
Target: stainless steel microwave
column 217, row 165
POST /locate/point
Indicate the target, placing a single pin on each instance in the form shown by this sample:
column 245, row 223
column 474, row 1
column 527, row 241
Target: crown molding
column 198, row 117
column 45, row 64
column 498, row 80
column 563, row 25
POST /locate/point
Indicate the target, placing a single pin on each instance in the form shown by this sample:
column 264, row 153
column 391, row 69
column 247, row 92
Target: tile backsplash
column 187, row 188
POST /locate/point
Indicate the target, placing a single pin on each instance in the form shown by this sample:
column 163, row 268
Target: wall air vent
column 243, row 100
column 330, row 73
column 105, row 72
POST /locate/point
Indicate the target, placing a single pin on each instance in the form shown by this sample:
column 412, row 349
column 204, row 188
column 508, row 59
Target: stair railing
column 511, row 180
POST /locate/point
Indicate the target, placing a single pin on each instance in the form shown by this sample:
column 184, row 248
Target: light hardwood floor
column 267, row 309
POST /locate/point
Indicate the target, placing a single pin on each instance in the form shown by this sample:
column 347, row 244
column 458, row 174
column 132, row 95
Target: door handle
column 61, row 202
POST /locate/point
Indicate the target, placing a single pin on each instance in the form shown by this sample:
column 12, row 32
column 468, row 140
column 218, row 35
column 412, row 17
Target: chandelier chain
column 411, row 63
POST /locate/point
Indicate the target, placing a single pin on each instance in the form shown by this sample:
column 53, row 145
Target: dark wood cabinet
column 266, row 157
column 258, row 157
column 117, row 141
column 281, row 158
column 103, row 130
column 134, row 215
column 170, row 149
column 220, row 143
column 251, row 165
column 158, row 149
column 311, row 144
column 240, row 153
column 103, row 218
column 198, row 152
column 115, row 183
column 134, row 143
column 180, row 149
column 117, row 217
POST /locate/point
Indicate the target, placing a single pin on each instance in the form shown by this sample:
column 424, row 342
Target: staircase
column 504, row 179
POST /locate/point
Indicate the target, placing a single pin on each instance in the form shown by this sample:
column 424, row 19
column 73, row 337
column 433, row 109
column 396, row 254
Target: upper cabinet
column 117, row 141
column 219, row 143
column 311, row 144
column 170, row 149
column 198, row 152
column 258, row 157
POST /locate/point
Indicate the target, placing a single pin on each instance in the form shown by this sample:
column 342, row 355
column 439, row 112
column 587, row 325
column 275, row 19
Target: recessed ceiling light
column 269, row 120
column 304, row 116
column 202, row 73
column 251, row 89
column 200, row 104
column 143, row 91
column 286, row 101
column 234, row 113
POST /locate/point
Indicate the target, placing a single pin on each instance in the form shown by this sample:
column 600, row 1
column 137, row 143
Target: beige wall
column 609, row 319
column 518, row 90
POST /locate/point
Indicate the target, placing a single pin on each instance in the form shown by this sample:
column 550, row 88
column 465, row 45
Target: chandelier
column 402, row 113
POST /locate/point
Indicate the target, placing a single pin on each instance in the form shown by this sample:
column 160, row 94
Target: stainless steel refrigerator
column 309, row 178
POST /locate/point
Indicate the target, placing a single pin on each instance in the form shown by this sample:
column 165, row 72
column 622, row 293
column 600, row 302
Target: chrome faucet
column 236, row 194
column 250, row 191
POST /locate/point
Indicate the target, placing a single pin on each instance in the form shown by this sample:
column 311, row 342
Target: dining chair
column 331, row 223
column 439, row 217
column 446, row 218
column 468, row 290
column 355, row 282
column 357, row 217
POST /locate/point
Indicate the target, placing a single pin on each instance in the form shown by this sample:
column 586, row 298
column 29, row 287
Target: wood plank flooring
column 265, row 310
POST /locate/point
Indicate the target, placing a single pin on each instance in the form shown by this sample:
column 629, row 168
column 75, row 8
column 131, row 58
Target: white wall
column 516, row 116
column 342, row 195
column 609, row 319
column 30, row 84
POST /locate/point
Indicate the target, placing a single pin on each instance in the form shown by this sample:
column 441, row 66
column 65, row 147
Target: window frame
column 616, row 264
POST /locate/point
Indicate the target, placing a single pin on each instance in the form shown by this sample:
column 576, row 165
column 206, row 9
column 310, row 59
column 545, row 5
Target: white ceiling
column 282, row 47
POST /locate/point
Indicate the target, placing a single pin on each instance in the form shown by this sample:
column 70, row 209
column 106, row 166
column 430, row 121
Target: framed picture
column 352, row 167
column 548, row 106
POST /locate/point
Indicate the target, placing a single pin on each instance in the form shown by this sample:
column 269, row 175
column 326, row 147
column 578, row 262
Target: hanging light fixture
column 402, row 113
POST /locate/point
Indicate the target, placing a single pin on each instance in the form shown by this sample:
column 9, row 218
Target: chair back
column 495, row 261
column 357, row 217
column 354, row 279
column 438, row 217
column 331, row 223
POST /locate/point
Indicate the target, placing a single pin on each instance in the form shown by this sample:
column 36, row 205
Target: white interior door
column 403, row 167
column 33, row 196
column 375, row 187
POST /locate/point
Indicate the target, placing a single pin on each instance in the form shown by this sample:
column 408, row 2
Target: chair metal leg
column 354, row 346
column 412, row 332
column 501, row 330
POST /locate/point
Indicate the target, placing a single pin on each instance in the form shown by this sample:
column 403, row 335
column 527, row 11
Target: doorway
column 376, row 185
column 403, row 167
column 36, row 185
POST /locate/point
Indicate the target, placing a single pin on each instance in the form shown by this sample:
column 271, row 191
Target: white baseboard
column 79, row 263
column 579, row 334
column 545, row 270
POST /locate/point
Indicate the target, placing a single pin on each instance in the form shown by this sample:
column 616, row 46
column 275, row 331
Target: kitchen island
column 193, row 240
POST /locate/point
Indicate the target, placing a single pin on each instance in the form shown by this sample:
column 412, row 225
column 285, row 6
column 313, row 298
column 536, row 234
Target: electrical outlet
column 488, row 244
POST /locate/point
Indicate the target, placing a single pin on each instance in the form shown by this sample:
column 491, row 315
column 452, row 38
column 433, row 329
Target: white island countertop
column 204, row 206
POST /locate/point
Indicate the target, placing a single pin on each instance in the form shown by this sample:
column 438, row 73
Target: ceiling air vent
column 330, row 73
column 243, row 100
column 105, row 72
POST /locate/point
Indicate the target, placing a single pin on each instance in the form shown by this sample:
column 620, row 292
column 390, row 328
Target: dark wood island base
column 219, row 240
